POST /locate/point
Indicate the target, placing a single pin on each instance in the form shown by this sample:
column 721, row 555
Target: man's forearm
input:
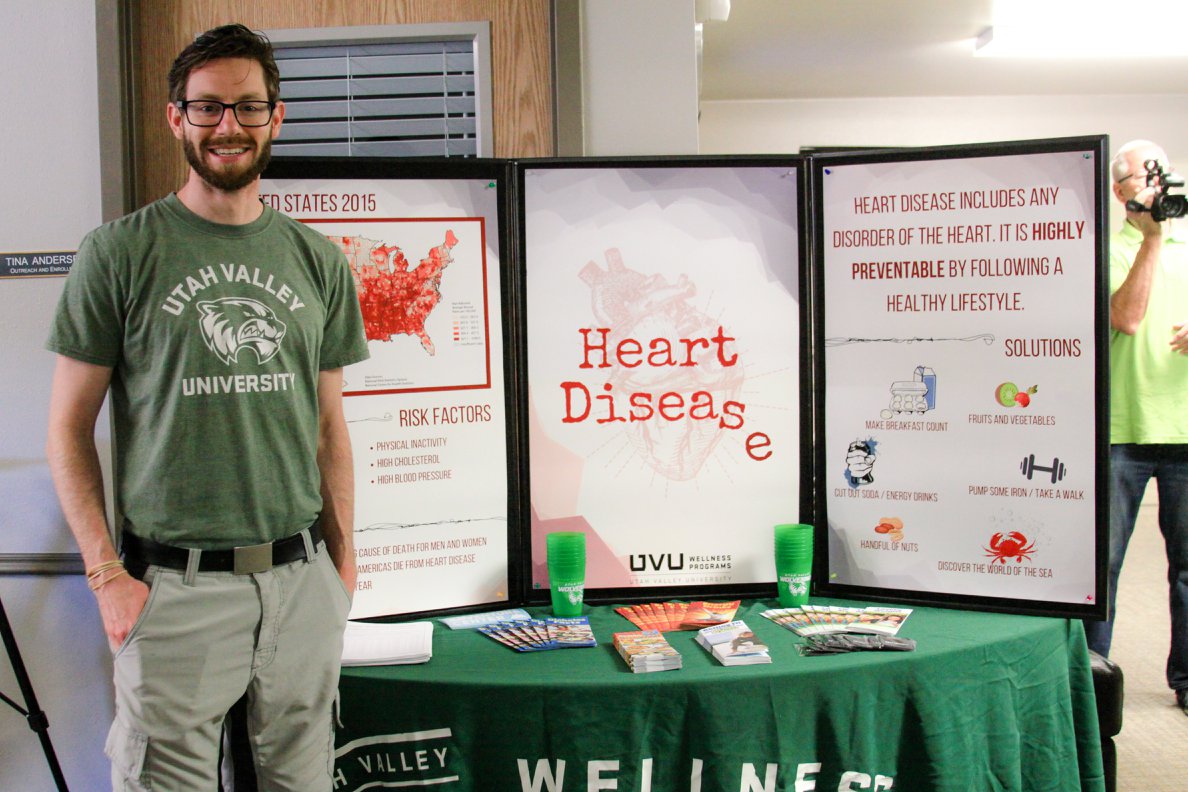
column 1128, row 304
column 75, row 401
column 336, row 465
column 338, row 503
column 74, row 464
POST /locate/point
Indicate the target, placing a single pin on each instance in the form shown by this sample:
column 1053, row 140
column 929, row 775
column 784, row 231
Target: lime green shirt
column 216, row 335
column 1148, row 381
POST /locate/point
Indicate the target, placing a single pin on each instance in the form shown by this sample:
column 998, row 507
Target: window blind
column 392, row 99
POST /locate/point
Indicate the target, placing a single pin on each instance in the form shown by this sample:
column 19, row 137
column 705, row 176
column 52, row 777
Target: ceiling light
column 1088, row 29
column 713, row 10
column 1017, row 41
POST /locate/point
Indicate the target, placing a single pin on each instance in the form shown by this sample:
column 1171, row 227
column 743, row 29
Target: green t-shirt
column 1148, row 381
column 216, row 335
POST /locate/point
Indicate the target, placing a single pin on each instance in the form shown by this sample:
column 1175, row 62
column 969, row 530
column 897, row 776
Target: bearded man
column 221, row 329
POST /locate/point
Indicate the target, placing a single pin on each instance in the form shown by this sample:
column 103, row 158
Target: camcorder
column 1165, row 205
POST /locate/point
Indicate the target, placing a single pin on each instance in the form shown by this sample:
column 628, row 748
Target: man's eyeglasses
column 209, row 112
column 1142, row 175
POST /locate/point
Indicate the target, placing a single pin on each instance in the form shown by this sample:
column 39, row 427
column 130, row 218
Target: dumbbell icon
column 1028, row 467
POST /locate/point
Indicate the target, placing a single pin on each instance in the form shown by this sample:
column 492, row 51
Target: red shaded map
column 396, row 300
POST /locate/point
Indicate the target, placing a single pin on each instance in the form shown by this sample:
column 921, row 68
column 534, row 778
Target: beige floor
column 1153, row 745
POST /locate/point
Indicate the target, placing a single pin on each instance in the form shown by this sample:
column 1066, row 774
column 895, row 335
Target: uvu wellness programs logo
column 411, row 759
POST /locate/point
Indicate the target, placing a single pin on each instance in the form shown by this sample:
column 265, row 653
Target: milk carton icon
column 917, row 395
column 928, row 377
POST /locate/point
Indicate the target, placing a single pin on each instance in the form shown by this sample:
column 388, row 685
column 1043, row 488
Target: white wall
column 785, row 126
column 774, row 127
column 639, row 77
column 51, row 197
column 60, row 639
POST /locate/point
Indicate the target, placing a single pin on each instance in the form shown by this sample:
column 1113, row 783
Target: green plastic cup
column 566, row 558
column 794, row 563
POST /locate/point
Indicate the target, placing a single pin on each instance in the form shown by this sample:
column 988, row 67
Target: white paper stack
column 472, row 620
column 367, row 643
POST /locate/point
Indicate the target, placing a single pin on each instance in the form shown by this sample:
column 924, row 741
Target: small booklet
column 536, row 635
column 569, row 633
column 733, row 644
column 881, row 621
column 647, row 650
column 810, row 620
column 374, row 643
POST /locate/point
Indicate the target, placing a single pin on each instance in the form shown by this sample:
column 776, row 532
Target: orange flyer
column 704, row 614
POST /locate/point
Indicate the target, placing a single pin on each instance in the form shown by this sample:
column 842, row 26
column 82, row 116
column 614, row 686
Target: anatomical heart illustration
column 661, row 316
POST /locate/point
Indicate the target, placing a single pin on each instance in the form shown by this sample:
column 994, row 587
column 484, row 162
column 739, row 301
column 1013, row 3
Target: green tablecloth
column 986, row 702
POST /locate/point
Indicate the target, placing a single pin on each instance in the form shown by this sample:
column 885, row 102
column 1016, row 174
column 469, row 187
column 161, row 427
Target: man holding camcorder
column 1148, row 382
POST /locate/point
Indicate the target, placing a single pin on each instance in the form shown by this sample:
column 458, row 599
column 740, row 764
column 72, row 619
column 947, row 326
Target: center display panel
column 663, row 338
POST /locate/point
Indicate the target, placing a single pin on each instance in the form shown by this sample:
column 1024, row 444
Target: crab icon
column 1013, row 545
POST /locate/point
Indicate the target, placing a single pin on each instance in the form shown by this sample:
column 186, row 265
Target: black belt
column 141, row 552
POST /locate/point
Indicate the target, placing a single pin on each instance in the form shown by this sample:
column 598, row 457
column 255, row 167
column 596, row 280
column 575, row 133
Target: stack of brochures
column 647, row 650
column 821, row 619
column 370, row 643
column 733, row 644
column 664, row 616
column 535, row 635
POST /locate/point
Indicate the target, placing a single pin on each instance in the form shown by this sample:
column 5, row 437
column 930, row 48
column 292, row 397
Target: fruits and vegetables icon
column 1008, row 394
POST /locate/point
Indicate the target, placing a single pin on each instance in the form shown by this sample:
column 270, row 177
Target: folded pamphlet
column 537, row 635
column 665, row 616
column 810, row 620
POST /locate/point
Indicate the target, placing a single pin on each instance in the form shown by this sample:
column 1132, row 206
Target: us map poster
column 960, row 373
column 663, row 369
column 426, row 412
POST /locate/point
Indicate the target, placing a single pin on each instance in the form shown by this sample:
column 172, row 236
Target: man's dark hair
column 228, row 41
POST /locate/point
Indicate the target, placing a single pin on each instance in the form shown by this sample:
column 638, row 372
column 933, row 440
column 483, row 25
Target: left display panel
column 427, row 412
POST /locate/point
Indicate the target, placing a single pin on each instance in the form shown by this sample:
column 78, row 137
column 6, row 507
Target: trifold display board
column 960, row 365
column 671, row 355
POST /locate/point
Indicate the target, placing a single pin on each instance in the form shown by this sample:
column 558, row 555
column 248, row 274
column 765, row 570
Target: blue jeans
column 1131, row 467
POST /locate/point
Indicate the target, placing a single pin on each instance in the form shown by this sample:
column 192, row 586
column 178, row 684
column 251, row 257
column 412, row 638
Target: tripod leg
column 37, row 720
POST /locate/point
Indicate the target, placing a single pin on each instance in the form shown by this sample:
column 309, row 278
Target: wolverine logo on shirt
column 232, row 324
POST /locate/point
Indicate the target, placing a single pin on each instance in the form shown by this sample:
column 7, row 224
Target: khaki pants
column 199, row 645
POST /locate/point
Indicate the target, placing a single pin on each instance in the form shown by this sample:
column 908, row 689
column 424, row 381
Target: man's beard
column 227, row 180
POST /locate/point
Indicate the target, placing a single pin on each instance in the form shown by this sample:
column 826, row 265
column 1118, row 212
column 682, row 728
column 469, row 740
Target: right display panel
column 961, row 375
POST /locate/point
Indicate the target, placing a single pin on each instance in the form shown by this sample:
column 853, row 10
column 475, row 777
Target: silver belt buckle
column 253, row 558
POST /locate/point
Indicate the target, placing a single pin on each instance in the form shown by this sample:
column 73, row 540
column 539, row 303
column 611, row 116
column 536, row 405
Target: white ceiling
column 798, row 49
